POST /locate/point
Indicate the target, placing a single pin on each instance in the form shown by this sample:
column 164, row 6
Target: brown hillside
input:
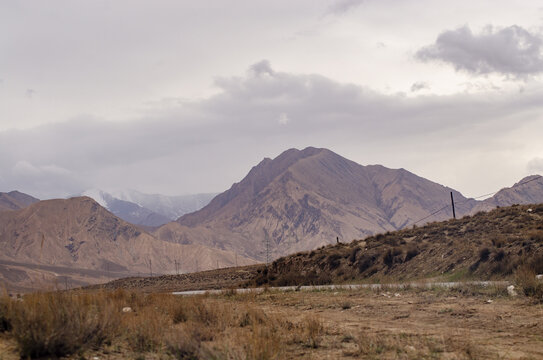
column 305, row 199
column 79, row 234
column 15, row 200
column 483, row 246
column 527, row 191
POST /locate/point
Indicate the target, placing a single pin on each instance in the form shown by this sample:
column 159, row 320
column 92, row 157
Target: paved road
column 350, row 287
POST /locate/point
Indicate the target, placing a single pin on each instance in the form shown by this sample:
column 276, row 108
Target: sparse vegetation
column 272, row 325
column 483, row 246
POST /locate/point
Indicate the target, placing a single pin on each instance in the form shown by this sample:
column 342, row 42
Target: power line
column 478, row 197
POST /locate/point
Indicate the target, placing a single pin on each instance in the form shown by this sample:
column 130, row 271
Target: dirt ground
column 411, row 325
column 466, row 323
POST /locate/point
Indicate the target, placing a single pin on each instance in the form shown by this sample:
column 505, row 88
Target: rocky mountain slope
column 527, row 191
column 80, row 234
column 15, row 200
column 304, row 199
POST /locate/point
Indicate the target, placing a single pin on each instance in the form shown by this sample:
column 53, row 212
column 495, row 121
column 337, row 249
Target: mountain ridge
column 79, row 233
column 307, row 198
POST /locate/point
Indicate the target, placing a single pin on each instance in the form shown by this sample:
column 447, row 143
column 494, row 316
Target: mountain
column 527, row 191
column 82, row 240
column 306, row 198
column 147, row 210
column 171, row 207
column 15, row 200
column 126, row 210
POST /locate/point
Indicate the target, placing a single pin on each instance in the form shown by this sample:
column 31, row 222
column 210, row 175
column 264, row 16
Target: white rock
column 489, row 301
column 127, row 309
column 397, row 294
column 511, row 290
column 539, row 277
column 530, row 210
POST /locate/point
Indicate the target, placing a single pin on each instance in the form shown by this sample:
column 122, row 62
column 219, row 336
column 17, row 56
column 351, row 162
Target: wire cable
column 478, row 197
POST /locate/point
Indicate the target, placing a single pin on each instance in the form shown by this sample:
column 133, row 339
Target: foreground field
column 465, row 323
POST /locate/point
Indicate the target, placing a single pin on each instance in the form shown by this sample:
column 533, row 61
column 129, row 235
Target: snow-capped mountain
column 146, row 209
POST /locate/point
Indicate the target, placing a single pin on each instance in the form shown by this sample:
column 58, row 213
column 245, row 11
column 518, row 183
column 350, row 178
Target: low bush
column 411, row 253
column 5, row 323
column 58, row 324
column 484, row 254
column 526, row 280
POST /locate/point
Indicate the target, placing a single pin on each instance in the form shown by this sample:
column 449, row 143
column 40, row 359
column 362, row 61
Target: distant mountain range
column 149, row 210
column 298, row 201
column 79, row 239
column 15, row 200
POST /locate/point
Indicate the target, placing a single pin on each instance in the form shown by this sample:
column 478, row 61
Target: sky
column 182, row 97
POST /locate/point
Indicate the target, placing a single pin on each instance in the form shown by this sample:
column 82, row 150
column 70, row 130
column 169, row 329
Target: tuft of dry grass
column 525, row 277
column 314, row 329
column 61, row 323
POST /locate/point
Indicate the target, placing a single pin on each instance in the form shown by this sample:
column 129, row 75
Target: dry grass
column 365, row 323
column 484, row 246
column 525, row 277
column 63, row 323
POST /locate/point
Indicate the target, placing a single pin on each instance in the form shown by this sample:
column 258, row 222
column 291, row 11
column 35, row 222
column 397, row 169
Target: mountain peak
column 306, row 198
column 527, row 179
column 15, row 200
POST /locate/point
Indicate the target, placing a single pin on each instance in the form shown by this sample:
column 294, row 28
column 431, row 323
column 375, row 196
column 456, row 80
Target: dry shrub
column 313, row 329
column 263, row 343
column 5, row 305
column 411, row 253
column 57, row 324
column 484, row 254
column 536, row 235
column 369, row 344
column 525, row 278
column 145, row 329
column 388, row 258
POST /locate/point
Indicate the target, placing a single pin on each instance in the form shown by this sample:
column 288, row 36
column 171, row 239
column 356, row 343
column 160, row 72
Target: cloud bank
column 511, row 51
column 179, row 147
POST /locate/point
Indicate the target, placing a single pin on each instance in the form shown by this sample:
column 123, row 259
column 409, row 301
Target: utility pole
column 267, row 236
column 150, row 268
column 452, row 203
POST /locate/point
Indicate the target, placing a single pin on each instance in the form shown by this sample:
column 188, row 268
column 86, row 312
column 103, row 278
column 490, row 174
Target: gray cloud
column 340, row 7
column 511, row 51
column 419, row 85
column 181, row 147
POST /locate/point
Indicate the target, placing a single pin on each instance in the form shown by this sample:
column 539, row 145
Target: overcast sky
column 180, row 97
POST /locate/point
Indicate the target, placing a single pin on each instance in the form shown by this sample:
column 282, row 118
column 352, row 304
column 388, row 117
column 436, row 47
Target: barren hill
column 15, row 200
column 487, row 245
column 80, row 234
column 306, row 198
column 527, row 191
column 483, row 246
